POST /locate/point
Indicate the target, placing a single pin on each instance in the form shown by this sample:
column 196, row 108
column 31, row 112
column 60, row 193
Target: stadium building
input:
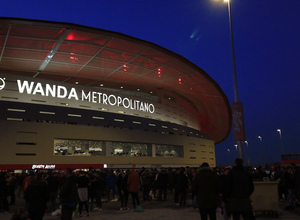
column 76, row 96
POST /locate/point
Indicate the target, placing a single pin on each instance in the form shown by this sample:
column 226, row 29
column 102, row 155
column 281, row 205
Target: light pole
column 236, row 148
column 281, row 144
column 248, row 160
column 228, row 150
column 262, row 152
column 235, row 86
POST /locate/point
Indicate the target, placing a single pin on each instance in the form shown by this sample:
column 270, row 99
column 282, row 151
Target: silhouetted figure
column 68, row 195
column 37, row 196
column 82, row 184
column 4, row 191
column 237, row 190
column 207, row 187
column 124, row 191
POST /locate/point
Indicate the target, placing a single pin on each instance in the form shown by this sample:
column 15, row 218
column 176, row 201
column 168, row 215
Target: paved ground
column 152, row 210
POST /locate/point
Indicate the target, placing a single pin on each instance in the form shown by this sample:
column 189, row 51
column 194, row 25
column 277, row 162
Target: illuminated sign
column 42, row 166
column 58, row 91
column 2, row 83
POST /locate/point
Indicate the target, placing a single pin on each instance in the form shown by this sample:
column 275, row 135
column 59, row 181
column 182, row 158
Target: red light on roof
column 73, row 58
column 126, row 67
column 179, row 81
column 70, row 37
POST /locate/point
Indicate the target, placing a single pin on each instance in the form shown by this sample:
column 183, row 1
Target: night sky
column 267, row 48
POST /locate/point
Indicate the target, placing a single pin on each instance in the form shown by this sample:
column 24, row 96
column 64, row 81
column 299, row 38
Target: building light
column 15, row 110
column 126, row 67
column 119, row 120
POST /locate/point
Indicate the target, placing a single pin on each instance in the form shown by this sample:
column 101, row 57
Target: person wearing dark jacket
column 4, row 191
column 181, row 187
column 37, row 196
column 82, row 188
column 146, row 180
column 162, row 182
column 53, row 185
column 96, row 191
column 68, row 195
column 124, row 191
column 289, row 182
column 237, row 191
column 207, row 187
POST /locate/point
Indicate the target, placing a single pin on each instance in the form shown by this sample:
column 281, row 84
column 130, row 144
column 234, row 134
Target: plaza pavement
column 157, row 210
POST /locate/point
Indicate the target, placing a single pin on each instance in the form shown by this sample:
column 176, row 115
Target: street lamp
column 248, row 160
column 281, row 144
column 262, row 152
column 236, row 148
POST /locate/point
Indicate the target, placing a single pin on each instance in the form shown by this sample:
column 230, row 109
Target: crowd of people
column 227, row 188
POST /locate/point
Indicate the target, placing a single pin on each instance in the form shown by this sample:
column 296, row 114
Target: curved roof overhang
column 73, row 53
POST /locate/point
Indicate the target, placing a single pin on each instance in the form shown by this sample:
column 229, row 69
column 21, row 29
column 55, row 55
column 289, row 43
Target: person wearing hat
column 207, row 187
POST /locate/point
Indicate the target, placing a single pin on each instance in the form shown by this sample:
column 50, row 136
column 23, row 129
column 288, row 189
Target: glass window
column 64, row 147
column 168, row 151
column 130, row 149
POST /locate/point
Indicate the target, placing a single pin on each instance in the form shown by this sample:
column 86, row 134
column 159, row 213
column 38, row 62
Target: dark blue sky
column 267, row 47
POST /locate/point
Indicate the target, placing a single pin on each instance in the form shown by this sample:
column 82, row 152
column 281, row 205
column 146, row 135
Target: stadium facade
column 77, row 96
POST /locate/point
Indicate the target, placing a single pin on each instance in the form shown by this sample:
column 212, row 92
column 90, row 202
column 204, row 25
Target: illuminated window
column 120, row 149
column 64, row 147
column 168, row 151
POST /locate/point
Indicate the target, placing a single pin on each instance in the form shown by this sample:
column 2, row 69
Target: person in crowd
column 92, row 189
column 259, row 173
column 124, row 191
column 237, row 191
column 172, row 175
column 162, row 182
column 68, row 195
column 297, row 185
column 82, row 188
column 155, row 187
column 98, row 186
column 225, row 205
column 181, row 187
column 4, row 191
column 193, row 195
column 37, row 196
column 119, row 177
column 111, row 181
column 27, row 179
column 53, row 185
column 20, row 180
column 207, row 186
column 289, row 182
column 146, row 180
column 12, row 184
column 134, row 187
column 176, row 193
column 278, row 177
